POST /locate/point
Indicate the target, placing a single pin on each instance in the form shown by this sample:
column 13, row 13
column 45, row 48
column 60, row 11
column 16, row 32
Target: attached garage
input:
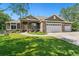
column 56, row 24
column 67, row 27
column 53, row 27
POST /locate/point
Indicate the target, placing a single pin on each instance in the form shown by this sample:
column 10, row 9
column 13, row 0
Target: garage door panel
column 67, row 28
column 56, row 28
column 53, row 28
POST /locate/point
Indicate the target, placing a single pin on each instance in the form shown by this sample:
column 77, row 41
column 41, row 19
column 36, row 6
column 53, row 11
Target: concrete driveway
column 66, row 34
column 72, row 37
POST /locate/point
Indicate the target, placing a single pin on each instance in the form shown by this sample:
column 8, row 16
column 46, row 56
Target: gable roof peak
column 29, row 17
column 54, row 18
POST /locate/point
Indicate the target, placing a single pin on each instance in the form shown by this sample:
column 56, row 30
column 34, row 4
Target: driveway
column 66, row 34
column 72, row 37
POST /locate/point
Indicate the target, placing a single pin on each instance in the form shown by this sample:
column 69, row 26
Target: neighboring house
column 30, row 23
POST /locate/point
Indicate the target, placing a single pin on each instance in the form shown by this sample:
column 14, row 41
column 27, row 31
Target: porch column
column 16, row 26
column 21, row 26
column 27, row 26
column 62, row 27
column 10, row 26
column 42, row 26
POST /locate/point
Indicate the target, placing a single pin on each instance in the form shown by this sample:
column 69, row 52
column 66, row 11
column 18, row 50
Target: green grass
column 19, row 45
column 37, row 33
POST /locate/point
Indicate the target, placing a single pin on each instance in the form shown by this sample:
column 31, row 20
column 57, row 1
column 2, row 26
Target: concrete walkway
column 72, row 37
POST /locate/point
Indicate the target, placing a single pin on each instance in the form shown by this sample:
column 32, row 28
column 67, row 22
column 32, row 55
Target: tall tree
column 20, row 9
column 71, row 14
column 3, row 18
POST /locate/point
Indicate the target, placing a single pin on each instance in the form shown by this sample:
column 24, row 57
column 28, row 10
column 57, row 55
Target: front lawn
column 16, row 44
column 37, row 33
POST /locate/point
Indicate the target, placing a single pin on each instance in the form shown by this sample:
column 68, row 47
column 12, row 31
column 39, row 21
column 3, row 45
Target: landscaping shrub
column 75, row 26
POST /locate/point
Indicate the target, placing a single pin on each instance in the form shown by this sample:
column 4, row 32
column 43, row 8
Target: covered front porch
column 32, row 26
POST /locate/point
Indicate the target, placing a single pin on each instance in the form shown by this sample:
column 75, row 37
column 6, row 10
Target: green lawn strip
column 37, row 33
column 20, row 45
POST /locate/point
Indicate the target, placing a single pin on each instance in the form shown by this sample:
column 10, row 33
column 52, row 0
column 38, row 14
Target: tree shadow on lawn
column 37, row 46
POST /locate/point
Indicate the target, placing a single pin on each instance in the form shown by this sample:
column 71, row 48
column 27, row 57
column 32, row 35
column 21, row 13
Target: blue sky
column 42, row 9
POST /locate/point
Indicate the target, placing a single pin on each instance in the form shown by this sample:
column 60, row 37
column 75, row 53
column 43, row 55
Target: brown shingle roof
column 41, row 17
column 29, row 17
column 13, row 21
column 54, row 18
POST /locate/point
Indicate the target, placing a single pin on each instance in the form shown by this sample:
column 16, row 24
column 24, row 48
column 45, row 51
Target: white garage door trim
column 53, row 27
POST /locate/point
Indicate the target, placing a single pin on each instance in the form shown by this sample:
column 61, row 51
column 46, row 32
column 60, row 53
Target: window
column 54, row 17
column 13, row 26
column 34, row 24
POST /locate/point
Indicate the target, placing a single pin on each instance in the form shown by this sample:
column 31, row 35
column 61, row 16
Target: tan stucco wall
column 43, row 26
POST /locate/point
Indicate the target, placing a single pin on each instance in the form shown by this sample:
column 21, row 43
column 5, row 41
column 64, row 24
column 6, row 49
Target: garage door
column 67, row 28
column 53, row 28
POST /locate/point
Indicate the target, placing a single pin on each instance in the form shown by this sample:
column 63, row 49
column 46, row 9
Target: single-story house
column 43, row 24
